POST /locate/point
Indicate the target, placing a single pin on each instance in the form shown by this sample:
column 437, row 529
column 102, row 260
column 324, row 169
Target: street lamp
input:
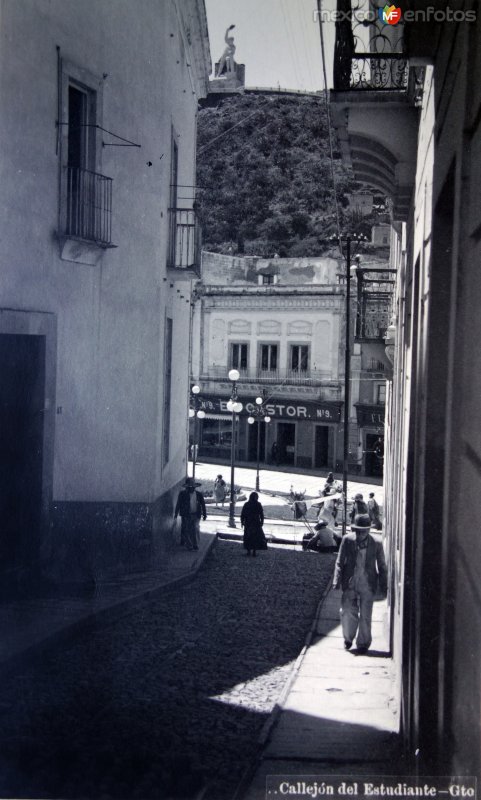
column 197, row 413
column 347, row 372
column 235, row 407
column 259, row 414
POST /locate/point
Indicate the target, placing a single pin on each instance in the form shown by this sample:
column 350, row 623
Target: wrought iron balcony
column 289, row 377
column 374, row 365
column 185, row 240
column 369, row 54
column 89, row 206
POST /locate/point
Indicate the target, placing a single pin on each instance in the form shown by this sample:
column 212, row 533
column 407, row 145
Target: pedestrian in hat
column 220, row 490
column 359, row 506
column 361, row 572
column 191, row 507
column 252, row 520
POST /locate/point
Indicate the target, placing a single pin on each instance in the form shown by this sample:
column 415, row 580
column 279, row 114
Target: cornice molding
column 247, row 303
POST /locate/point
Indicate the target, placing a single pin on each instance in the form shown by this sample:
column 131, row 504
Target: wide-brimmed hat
column 362, row 522
column 191, row 482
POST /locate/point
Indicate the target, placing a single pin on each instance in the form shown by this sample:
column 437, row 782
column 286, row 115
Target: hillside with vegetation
column 264, row 176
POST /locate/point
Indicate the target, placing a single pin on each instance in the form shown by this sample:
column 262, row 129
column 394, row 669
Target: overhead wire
column 241, row 122
column 306, row 50
column 329, row 125
column 295, row 62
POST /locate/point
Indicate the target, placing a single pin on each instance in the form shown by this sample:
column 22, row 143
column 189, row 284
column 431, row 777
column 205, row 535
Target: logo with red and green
column 390, row 15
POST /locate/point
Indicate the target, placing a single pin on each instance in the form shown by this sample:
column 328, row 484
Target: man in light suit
column 361, row 572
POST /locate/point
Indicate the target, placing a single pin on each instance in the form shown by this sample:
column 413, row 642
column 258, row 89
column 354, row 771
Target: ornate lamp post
column 260, row 414
column 197, row 413
column 347, row 373
column 235, row 407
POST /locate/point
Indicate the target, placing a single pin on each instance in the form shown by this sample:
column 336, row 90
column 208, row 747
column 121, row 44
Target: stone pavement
column 338, row 715
column 28, row 624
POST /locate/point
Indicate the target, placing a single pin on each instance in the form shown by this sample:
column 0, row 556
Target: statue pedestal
column 229, row 81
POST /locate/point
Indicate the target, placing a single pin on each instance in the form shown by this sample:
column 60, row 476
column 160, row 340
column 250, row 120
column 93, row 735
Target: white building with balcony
column 279, row 323
column 98, row 243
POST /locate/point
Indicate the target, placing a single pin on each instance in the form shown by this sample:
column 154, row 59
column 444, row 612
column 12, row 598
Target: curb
column 32, row 653
column 273, row 717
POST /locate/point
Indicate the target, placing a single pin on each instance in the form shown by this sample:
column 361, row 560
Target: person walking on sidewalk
column 374, row 513
column 252, row 520
column 220, row 489
column 359, row 506
column 191, row 507
column 361, row 572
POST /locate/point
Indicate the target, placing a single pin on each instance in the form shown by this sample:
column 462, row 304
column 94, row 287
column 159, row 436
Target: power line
column 241, row 122
column 329, row 124
column 290, row 39
column 305, row 37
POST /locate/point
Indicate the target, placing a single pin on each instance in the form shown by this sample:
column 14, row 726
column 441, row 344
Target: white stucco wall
column 110, row 317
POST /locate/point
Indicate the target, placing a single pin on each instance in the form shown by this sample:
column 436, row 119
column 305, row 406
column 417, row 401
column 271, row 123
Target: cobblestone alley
column 171, row 696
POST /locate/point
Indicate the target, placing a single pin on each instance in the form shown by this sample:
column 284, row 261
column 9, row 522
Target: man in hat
column 358, row 507
column 361, row 572
column 191, row 507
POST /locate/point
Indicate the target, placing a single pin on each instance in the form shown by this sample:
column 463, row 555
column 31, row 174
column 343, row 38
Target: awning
column 218, row 416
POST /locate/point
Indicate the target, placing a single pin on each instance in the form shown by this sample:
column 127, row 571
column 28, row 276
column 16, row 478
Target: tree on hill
column 264, row 175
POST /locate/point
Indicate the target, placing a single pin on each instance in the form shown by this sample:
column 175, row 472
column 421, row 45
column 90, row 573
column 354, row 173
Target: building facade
column 98, row 244
column 280, row 322
column 411, row 126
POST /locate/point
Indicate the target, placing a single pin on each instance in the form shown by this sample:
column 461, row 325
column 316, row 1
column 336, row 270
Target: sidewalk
column 338, row 715
column 27, row 625
column 318, row 475
column 280, row 481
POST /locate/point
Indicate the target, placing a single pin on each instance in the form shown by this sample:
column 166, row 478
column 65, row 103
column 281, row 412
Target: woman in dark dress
column 252, row 520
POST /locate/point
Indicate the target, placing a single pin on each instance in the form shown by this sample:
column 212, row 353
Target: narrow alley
column 173, row 695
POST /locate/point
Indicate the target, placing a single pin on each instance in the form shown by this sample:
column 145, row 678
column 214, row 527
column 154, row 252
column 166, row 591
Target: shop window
column 216, row 434
column 238, row 356
column 268, row 357
column 299, row 357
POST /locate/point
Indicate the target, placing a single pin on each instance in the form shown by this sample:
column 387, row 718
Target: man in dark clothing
column 374, row 512
column 358, row 507
column 191, row 507
column 361, row 572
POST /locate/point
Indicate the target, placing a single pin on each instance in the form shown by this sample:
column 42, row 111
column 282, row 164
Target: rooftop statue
column 227, row 63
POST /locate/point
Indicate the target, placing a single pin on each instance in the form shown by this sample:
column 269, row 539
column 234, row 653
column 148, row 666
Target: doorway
column 321, row 446
column 22, row 393
column 286, row 442
column 374, row 455
column 252, row 442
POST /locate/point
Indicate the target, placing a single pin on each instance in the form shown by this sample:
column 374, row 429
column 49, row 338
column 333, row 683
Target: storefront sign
column 369, row 415
column 277, row 409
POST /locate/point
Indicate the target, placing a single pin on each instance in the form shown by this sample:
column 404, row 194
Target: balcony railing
column 374, row 365
column 308, row 377
column 89, row 206
column 369, row 54
column 185, row 240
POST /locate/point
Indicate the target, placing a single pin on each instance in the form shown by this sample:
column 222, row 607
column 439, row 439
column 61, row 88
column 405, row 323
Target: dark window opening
column 238, row 356
column 299, row 357
column 269, row 357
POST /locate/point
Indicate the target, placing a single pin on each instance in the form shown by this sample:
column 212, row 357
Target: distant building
column 98, row 114
column 381, row 235
column 280, row 322
column 361, row 203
